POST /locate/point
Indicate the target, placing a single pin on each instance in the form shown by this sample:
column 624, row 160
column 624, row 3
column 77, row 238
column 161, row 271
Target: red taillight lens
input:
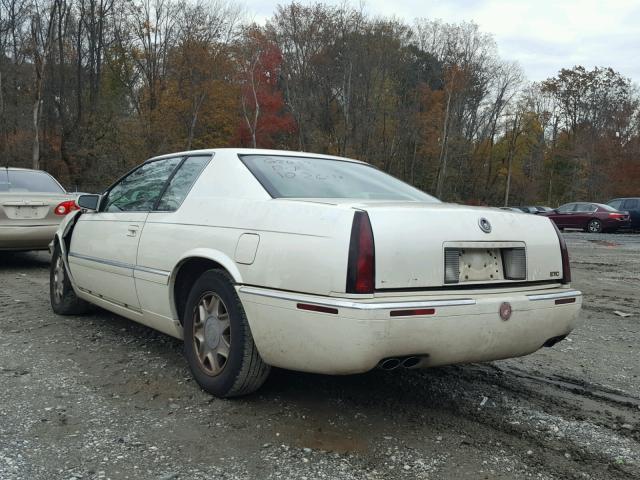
column 617, row 215
column 361, row 267
column 409, row 313
column 566, row 268
column 66, row 207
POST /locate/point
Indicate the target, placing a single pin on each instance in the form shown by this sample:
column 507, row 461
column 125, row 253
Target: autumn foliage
column 91, row 88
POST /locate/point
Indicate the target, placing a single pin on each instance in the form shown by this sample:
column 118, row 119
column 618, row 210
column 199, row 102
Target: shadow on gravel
column 24, row 260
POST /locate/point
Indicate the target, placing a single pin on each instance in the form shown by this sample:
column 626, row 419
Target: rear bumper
column 36, row 237
column 462, row 328
column 615, row 224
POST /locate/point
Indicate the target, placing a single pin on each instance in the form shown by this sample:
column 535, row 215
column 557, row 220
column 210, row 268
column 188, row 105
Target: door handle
column 132, row 231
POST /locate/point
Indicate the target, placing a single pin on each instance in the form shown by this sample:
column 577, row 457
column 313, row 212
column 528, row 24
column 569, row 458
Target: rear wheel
column 218, row 343
column 594, row 226
column 64, row 300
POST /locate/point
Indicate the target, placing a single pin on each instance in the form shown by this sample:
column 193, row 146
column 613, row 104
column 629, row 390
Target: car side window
column 584, row 207
column 566, row 208
column 616, row 204
column 139, row 191
column 181, row 183
column 631, row 204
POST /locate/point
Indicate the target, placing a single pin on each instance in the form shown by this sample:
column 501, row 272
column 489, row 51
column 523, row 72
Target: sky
column 543, row 36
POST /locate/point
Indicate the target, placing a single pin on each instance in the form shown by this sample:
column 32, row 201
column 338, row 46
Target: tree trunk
column 442, row 170
column 35, row 151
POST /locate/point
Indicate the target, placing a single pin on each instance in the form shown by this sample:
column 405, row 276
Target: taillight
column 617, row 215
column 361, row 267
column 566, row 268
column 66, row 207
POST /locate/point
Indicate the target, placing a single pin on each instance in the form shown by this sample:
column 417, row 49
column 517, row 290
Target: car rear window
column 609, row 208
column 307, row 177
column 28, row 181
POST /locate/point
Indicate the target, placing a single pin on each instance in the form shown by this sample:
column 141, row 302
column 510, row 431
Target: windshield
column 16, row 181
column 305, row 177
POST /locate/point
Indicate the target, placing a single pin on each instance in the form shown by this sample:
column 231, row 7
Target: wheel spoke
column 202, row 313
column 213, row 362
column 214, row 305
column 223, row 349
column 203, row 351
column 224, row 323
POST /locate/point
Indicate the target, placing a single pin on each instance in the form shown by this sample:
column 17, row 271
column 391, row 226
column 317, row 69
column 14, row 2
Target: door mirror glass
column 89, row 202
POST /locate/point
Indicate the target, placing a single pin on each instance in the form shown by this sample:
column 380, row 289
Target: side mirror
column 89, row 202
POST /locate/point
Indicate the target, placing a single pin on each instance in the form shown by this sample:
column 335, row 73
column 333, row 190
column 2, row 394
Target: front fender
column 63, row 239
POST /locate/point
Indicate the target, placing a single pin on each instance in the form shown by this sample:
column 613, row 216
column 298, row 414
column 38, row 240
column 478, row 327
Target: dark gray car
column 631, row 205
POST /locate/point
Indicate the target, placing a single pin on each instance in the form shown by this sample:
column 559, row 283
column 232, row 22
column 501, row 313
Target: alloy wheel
column 58, row 280
column 212, row 334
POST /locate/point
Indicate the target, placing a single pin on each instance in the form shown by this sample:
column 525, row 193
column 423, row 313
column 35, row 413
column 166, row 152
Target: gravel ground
column 98, row 396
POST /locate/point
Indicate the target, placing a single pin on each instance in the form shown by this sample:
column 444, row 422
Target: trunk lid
column 420, row 245
column 23, row 209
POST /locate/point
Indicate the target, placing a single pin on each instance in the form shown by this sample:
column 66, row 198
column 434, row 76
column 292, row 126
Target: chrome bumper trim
column 553, row 296
column 342, row 303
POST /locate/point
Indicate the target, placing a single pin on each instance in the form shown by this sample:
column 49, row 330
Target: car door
column 564, row 215
column 584, row 213
column 632, row 205
column 162, row 243
column 104, row 244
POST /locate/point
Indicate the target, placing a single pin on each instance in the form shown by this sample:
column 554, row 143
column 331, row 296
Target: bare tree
column 42, row 28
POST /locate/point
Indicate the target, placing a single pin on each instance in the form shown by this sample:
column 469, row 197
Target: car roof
column 13, row 169
column 256, row 151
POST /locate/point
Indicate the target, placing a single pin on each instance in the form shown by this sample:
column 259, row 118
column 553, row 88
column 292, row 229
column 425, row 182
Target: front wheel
column 594, row 226
column 64, row 300
column 218, row 343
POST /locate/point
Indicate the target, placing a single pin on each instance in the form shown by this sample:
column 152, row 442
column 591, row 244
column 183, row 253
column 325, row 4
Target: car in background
column 631, row 205
column 536, row 209
column 590, row 217
column 543, row 209
column 32, row 205
column 511, row 209
column 532, row 209
column 526, row 209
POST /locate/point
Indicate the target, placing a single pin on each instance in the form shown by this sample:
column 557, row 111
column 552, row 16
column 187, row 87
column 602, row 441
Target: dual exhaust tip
column 409, row 362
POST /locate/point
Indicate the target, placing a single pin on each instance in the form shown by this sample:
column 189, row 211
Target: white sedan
column 260, row 258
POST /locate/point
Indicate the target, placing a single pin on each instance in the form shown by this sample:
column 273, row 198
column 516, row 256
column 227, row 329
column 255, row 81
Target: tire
column 594, row 226
column 218, row 344
column 64, row 300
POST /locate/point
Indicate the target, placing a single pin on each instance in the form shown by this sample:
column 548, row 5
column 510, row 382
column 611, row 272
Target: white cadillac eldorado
column 260, row 258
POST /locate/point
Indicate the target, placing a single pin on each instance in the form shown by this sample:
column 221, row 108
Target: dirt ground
column 99, row 396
